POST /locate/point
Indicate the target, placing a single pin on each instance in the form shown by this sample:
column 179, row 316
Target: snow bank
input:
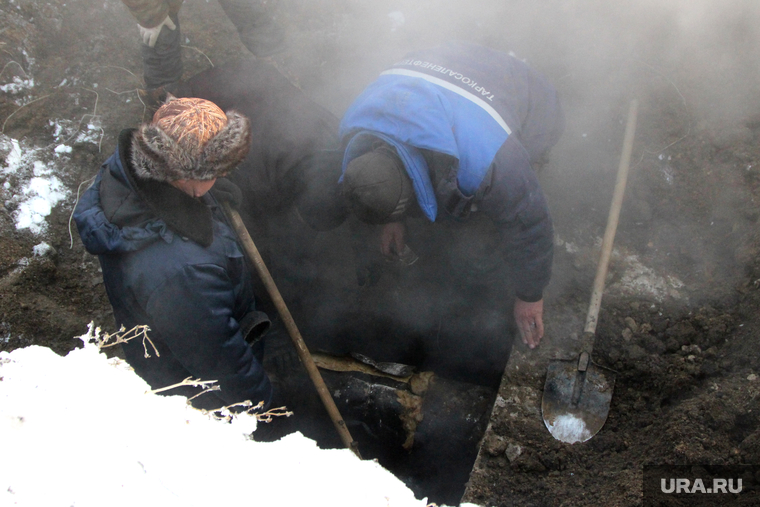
column 84, row 430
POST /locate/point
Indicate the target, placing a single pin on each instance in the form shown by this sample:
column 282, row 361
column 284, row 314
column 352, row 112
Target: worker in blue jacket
column 454, row 134
column 170, row 260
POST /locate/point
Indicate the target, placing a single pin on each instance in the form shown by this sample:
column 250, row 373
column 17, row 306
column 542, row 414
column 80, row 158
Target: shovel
column 290, row 325
column 577, row 392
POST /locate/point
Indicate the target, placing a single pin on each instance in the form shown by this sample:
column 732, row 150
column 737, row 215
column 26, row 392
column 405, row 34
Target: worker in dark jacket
column 295, row 155
column 287, row 178
column 451, row 134
column 170, row 260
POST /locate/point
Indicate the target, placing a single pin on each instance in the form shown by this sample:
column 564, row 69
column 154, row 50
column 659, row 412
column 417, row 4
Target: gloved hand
column 150, row 35
column 226, row 191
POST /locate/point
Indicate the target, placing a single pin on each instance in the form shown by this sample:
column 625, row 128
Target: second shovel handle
column 612, row 223
column 290, row 324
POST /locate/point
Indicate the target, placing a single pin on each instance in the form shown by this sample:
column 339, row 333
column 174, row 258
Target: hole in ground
column 425, row 428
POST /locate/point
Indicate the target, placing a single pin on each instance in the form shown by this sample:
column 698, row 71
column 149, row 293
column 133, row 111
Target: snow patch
column 640, row 280
column 67, row 131
column 17, row 86
column 571, row 248
column 40, row 195
column 90, row 430
column 42, row 249
column 37, row 189
column 569, row 429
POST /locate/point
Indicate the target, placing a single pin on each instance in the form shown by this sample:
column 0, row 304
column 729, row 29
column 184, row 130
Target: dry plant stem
column 123, row 336
column 201, row 52
column 273, row 412
column 79, row 125
column 666, row 78
column 207, row 390
column 225, row 414
column 121, row 68
column 133, row 90
column 19, row 66
column 22, row 107
column 683, row 99
column 247, row 403
column 6, row 51
column 71, row 215
column 145, row 106
column 94, row 114
column 145, row 347
column 95, row 107
column 187, row 382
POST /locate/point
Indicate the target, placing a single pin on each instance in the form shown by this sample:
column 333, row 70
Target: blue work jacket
column 171, row 262
column 493, row 116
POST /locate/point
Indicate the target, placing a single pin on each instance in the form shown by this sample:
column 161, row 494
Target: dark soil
column 679, row 321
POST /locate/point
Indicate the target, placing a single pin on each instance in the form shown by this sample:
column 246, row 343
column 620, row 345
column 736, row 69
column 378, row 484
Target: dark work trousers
column 162, row 63
column 465, row 261
column 259, row 32
column 450, row 312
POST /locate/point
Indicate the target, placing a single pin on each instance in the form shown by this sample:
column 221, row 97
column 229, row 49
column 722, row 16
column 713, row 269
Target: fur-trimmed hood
column 156, row 156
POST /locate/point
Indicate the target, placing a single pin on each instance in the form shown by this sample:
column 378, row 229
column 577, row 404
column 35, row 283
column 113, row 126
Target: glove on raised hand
column 226, row 191
column 150, row 35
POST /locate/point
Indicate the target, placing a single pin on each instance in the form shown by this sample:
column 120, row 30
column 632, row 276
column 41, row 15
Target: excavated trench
column 679, row 321
column 393, row 353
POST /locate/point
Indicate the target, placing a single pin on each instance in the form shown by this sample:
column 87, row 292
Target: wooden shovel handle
column 295, row 334
column 612, row 223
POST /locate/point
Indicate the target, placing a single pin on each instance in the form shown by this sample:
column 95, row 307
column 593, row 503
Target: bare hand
column 392, row 239
column 530, row 323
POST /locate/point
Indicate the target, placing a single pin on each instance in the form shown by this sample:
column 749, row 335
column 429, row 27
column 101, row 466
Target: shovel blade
column 575, row 404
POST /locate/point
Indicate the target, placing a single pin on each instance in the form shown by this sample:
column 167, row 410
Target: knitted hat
column 190, row 139
column 377, row 188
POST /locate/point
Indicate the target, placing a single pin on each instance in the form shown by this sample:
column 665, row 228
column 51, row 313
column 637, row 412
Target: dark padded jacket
column 468, row 122
column 171, row 262
column 295, row 153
